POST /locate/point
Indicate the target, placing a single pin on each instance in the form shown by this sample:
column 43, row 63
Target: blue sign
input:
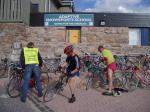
column 69, row 20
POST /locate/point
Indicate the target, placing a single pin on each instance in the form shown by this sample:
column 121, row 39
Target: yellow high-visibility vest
column 31, row 55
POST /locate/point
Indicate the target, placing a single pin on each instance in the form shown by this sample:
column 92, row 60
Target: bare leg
column 110, row 74
column 72, row 84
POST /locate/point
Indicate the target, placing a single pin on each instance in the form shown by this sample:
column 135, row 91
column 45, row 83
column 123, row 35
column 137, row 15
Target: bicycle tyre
column 132, row 82
column 50, row 92
column 14, row 87
column 54, row 88
column 89, row 82
column 146, row 79
column 119, row 79
column 117, row 83
column 44, row 80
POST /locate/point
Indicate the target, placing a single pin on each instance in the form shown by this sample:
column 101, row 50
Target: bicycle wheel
column 14, row 87
column 44, row 79
column 118, row 81
column 55, row 87
column 51, row 91
column 147, row 78
column 89, row 82
column 132, row 82
column 145, row 83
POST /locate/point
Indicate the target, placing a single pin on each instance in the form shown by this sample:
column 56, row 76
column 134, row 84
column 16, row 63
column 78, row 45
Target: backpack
column 80, row 64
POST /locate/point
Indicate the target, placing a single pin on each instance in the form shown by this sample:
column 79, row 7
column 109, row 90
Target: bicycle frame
column 55, row 87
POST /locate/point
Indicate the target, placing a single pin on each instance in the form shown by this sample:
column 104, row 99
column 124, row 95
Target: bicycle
column 96, row 67
column 16, row 81
column 123, row 72
column 101, row 73
column 144, row 77
column 50, row 65
column 55, row 86
column 131, row 72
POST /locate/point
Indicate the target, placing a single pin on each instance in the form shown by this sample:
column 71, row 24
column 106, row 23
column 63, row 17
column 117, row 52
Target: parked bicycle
column 134, row 72
column 15, row 83
column 50, row 65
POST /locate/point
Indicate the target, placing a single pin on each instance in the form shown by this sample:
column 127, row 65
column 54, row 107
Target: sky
column 123, row 6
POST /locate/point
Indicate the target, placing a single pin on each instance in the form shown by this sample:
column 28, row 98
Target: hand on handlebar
column 59, row 68
column 103, row 59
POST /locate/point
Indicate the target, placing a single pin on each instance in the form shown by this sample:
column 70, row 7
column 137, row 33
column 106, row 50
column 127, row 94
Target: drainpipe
column 49, row 5
column 45, row 5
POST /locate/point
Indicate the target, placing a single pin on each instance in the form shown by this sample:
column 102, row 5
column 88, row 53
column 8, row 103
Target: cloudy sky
column 125, row 6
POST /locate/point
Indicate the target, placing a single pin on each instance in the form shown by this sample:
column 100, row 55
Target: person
column 111, row 67
column 73, row 62
column 30, row 61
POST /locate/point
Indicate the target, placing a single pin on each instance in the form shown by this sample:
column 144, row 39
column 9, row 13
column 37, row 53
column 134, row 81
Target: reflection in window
column 134, row 36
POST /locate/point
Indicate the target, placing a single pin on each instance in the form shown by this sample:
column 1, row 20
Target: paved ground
column 87, row 101
column 13, row 104
column 93, row 101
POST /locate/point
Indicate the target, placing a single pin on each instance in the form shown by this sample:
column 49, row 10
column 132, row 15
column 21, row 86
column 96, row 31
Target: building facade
column 18, row 11
column 52, row 29
column 121, row 32
column 12, row 11
column 52, row 6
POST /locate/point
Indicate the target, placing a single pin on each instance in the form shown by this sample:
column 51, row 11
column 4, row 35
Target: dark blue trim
column 144, row 36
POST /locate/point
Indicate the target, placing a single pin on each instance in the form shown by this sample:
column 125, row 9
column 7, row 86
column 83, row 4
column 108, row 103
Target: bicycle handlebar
column 85, row 53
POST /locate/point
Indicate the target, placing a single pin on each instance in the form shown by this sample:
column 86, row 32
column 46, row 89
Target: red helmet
column 68, row 49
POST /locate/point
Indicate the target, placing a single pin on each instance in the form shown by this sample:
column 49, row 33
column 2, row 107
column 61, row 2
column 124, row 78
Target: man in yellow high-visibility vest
column 31, row 61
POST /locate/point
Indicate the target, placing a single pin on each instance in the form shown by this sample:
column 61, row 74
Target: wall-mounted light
column 102, row 23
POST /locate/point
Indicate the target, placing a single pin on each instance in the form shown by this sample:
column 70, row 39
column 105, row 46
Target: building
column 19, row 10
column 52, row 28
column 120, row 32
column 51, row 6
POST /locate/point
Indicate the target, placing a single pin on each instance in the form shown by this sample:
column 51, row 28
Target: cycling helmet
column 68, row 49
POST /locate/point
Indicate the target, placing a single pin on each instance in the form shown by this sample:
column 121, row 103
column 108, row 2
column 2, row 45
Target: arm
column 22, row 60
column 40, row 60
column 64, row 64
column 74, row 71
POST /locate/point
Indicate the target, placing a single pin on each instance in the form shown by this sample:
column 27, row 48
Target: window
column 134, row 36
column 34, row 8
column 139, row 36
column 73, row 35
